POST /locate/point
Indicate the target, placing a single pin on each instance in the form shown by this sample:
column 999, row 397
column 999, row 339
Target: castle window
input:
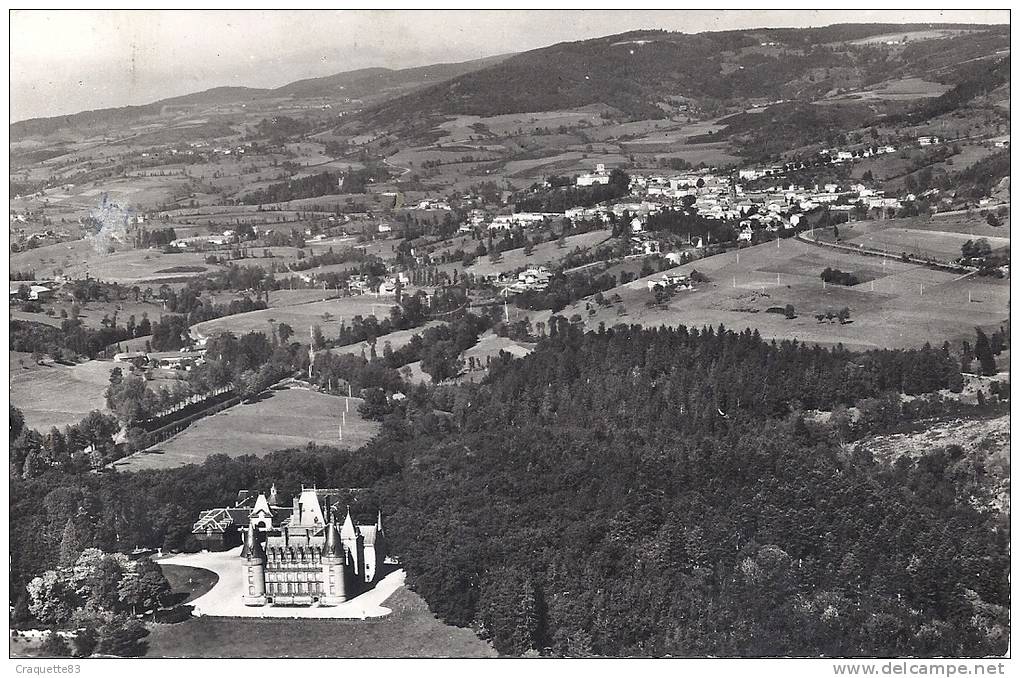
column 251, row 590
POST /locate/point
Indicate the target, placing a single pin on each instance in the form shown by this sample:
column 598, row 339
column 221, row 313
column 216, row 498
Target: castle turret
column 334, row 568
column 354, row 544
column 254, row 568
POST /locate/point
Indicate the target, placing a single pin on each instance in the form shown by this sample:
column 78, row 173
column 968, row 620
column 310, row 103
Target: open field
column 541, row 255
column 301, row 317
column 78, row 258
column 489, row 346
column 52, row 321
column 280, row 420
column 903, row 89
column 395, row 339
column 913, row 36
column 50, row 258
column 460, row 128
column 896, row 314
column 57, row 395
column 943, row 245
column 410, row 630
column 972, row 225
column 137, row 266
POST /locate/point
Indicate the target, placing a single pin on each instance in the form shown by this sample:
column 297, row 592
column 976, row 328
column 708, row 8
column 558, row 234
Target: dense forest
column 632, row 492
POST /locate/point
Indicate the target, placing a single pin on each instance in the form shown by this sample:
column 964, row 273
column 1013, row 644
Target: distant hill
column 644, row 74
column 372, row 80
column 352, row 84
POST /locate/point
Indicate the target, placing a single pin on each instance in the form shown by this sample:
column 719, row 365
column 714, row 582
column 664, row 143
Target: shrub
column 54, row 646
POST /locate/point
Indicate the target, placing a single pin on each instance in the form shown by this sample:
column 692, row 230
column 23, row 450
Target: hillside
column 647, row 74
column 350, row 84
column 371, row 80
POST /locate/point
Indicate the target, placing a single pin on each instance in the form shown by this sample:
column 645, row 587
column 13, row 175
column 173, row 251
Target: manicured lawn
column 189, row 582
column 409, row 631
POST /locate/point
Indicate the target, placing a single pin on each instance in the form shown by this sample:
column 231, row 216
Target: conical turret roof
column 348, row 530
column 252, row 545
column 333, row 545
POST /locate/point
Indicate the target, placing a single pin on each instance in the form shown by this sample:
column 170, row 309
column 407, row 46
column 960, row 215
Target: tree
column 144, row 589
column 16, row 422
column 318, row 341
column 983, row 353
column 122, row 638
column 52, row 600
column 285, row 332
column 85, row 640
column 993, row 220
column 442, row 361
column 376, row 405
column 73, row 541
column 507, row 608
column 54, row 646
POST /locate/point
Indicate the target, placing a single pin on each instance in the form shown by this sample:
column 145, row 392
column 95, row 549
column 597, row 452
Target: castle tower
column 334, row 568
column 273, row 498
column 254, row 569
column 354, row 543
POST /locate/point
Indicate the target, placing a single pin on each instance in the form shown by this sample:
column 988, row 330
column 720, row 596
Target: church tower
column 254, row 566
column 334, row 568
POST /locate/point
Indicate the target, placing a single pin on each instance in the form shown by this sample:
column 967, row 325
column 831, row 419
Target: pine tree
column 72, row 543
column 983, row 352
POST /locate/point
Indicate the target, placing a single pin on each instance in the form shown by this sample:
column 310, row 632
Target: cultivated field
column 280, row 420
column 896, row 313
column 58, row 395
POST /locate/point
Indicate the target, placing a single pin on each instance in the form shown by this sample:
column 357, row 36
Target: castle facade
column 300, row 554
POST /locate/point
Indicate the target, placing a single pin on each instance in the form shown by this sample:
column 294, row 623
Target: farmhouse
column 36, row 292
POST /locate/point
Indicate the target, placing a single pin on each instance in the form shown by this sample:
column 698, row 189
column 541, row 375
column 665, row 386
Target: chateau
column 299, row 554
